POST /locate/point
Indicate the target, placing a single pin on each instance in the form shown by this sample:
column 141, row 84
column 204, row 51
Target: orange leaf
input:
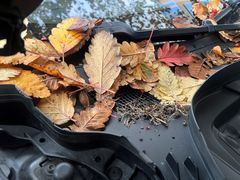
column 217, row 50
column 200, row 11
column 67, row 41
column 61, row 70
column 30, row 84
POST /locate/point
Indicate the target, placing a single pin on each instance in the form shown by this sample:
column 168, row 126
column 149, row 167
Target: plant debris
column 142, row 108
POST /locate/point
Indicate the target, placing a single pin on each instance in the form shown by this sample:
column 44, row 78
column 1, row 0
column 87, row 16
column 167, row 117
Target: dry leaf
column 103, row 61
column 217, row 50
column 126, row 78
column 200, row 11
column 135, row 53
column 59, row 107
column 67, row 41
column 131, row 53
column 198, row 69
column 174, row 88
column 84, row 99
column 67, row 72
column 30, row 84
column 233, row 36
column 7, row 73
column 92, row 118
column 174, row 54
column 19, row 58
column 235, row 50
column 82, row 25
column 182, row 71
column 53, row 83
column 142, row 86
column 42, row 48
column 145, row 72
column 182, row 22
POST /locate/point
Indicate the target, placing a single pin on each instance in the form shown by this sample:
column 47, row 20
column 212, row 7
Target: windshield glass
column 140, row 14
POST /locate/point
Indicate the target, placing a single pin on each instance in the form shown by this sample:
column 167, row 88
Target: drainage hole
column 42, row 140
column 97, row 159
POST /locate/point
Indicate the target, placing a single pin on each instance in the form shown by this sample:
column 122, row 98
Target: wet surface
column 140, row 14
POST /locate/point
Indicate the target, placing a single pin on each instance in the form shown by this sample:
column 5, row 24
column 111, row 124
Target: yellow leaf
column 9, row 72
column 235, row 50
column 42, row 48
column 30, row 84
column 64, row 40
column 174, row 88
column 59, row 107
column 103, row 61
column 213, row 4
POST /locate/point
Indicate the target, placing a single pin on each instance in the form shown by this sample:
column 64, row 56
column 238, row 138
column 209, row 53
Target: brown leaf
column 6, row 73
column 82, row 25
column 84, row 99
column 53, row 83
column 131, row 53
column 142, row 86
column 92, row 118
column 174, row 54
column 198, row 70
column 182, row 71
column 59, row 108
column 126, row 78
column 103, row 61
column 42, row 48
column 30, row 84
column 233, row 36
column 182, row 22
column 135, row 53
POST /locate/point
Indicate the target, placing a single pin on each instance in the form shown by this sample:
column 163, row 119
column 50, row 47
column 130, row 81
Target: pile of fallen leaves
column 56, row 86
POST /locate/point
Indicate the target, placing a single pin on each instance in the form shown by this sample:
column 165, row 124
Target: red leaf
column 174, row 55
